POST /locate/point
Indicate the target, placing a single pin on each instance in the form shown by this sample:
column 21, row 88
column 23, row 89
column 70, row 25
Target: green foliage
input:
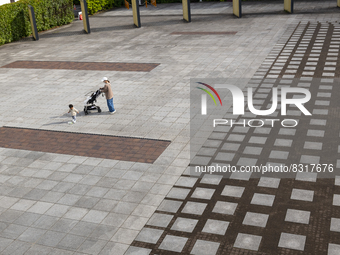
column 15, row 22
column 94, row 6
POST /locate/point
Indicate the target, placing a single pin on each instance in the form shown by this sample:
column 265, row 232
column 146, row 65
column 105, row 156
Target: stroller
column 89, row 104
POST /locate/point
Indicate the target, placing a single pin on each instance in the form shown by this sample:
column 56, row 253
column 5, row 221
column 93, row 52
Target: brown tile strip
column 98, row 66
column 81, row 144
column 205, row 33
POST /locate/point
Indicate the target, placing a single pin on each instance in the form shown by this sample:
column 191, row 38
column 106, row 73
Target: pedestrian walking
column 108, row 94
column 73, row 112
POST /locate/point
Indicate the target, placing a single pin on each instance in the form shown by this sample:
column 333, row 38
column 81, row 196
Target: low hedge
column 94, row 6
column 15, row 22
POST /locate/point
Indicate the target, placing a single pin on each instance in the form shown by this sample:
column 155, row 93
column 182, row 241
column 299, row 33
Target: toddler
column 73, row 112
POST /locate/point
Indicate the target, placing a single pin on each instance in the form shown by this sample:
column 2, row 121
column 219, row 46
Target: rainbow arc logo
column 204, row 96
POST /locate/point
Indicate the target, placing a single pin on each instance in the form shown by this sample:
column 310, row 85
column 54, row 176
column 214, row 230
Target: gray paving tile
column 71, row 242
column 255, row 219
column 303, row 195
column 32, row 235
column 225, row 207
column 335, row 224
column 92, row 246
column 202, row 247
column 160, row 220
column 211, row 179
column 13, row 231
column 309, row 177
column 104, row 232
column 149, row 235
column 269, row 182
column 194, row 208
column 203, row 193
column 169, row 206
column 297, row 216
column 178, row 193
column 186, row 181
column 333, row 249
column 292, row 241
column 249, row 242
column 263, row 199
column 27, row 219
column 83, row 228
column 232, row 191
column 173, row 243
column 184, row 224
column 215, row 227
column 51, row 238
column 137, row 251
column 45, row 222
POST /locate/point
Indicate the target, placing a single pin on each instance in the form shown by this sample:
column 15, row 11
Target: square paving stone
column 263, row 199
column 297, row 216
column 169, row 206
column 137, row 251
column 333, row 249
column 255, row 219
column 306, row 159
column 215, row 227
column 287, row 131
column 283, row 142
column 51, row 238
column 225, row 207
column 335, row 224
column 194, row 208
column 173, row 243
column 149, row 235
column 302, row 194
column 337, row 181
column 211, row 179
column 223, row 156
column 258, row 140
column 279, row 154
column 240, row 176
column 292, row 241
column 231, row 146
column 269, row 182
column 71, row 242
column 308, row 177
column 203, row 193
column 246, row 161
column 186, row 181
column 315, row 133
column 160, row 220
column 232, row 191
column 235, row 138
column 312, row 146
column 184, row 224
column 205, row 248
column 249, row 242
column 252, row 150
column 178, row 193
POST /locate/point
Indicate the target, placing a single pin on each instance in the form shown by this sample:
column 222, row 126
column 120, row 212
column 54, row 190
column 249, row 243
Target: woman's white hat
column 104, row 79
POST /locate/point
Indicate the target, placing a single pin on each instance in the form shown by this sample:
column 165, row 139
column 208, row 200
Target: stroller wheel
column 86, row 112
column 99, row 110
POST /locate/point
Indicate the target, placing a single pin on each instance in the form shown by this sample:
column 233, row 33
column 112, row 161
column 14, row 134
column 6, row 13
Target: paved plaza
column 124, row 183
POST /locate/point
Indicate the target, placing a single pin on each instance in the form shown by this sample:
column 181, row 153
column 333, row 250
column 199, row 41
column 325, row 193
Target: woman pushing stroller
column 108, row 94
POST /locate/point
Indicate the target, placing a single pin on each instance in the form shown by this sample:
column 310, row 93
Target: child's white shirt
column 73, row 111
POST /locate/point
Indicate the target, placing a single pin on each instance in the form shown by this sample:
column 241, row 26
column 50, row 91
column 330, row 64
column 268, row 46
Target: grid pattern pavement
column 246, row 214
column 65, row 204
